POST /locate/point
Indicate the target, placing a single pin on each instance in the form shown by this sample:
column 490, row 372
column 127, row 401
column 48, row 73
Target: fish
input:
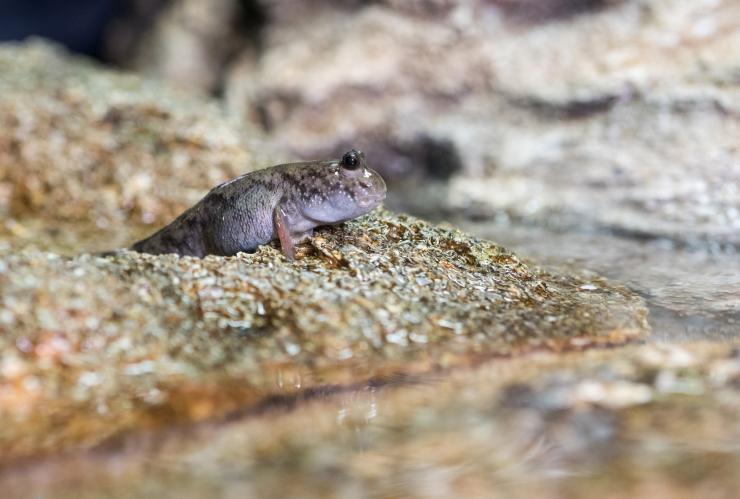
column 284, row 202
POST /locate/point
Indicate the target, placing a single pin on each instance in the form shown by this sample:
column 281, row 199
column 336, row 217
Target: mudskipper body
column 284, row 202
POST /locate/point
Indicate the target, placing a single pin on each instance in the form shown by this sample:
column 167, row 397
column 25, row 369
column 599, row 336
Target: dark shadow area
column 77, row 24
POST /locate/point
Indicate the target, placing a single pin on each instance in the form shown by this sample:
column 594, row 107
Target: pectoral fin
column 283, row 231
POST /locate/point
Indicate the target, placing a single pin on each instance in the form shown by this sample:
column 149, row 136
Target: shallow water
column 693, row 292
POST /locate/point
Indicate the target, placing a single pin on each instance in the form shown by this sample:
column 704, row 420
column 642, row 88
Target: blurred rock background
column 618, row 115
column 614, row 114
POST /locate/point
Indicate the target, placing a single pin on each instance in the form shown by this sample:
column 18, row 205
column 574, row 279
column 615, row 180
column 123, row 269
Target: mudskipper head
column 349, row 189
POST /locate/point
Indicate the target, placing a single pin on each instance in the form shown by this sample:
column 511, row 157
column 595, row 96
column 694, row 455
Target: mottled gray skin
column 284, row 202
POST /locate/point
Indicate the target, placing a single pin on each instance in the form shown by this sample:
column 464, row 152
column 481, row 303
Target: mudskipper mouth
column 371, row 200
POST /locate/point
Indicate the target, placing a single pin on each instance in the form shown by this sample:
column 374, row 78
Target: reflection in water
column 576, row 422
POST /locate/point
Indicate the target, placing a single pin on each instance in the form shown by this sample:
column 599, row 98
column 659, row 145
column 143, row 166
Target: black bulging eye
column 351, row 160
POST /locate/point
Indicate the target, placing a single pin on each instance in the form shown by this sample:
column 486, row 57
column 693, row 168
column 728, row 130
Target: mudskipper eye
column 351, row 160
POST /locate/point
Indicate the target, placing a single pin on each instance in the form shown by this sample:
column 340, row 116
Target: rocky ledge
column 92, row 347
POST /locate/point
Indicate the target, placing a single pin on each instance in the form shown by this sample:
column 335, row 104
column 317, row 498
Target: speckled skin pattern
column 284, row 202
